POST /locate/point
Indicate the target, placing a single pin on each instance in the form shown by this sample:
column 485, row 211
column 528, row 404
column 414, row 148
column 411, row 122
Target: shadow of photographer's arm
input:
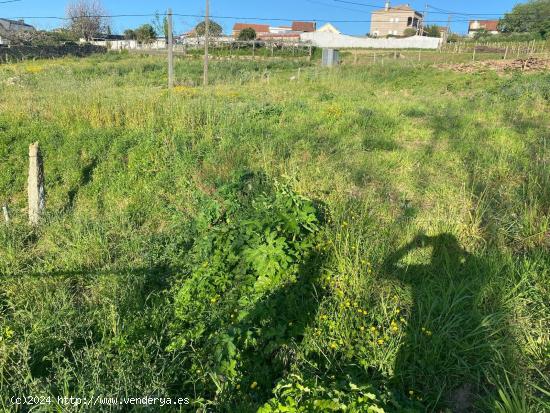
column 418, row 241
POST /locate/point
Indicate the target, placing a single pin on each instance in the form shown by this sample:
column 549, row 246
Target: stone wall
column 19, row 53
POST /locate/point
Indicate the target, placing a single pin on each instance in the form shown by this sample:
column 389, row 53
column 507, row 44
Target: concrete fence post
column 36, row 192
column 6, row 213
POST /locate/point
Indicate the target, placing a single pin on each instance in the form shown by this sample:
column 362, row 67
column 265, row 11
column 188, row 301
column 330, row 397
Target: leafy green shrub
column 298, row 395
column 242, row 300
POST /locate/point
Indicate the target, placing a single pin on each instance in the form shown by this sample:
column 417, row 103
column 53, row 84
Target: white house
column 329, row 28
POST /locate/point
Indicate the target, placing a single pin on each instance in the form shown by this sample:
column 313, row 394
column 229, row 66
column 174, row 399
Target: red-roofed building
column 304, row 27
column 260, row 29
column 264, row 31
column 490, row 26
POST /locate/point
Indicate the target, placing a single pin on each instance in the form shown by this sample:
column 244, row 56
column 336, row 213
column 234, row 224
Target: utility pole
column 424, row 19
column 206, row 37
column 448, row 28
column 170, row 51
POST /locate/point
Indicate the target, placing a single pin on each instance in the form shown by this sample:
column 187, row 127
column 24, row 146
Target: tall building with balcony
column 393, row 21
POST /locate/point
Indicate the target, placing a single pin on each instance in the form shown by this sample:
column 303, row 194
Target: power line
column 438, row 10
column 9, row 1
column 393, row 9
column 443, row 11
column 200, row 16
column 337, row 7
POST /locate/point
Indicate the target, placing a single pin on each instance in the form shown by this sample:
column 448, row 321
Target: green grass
column 179, row 255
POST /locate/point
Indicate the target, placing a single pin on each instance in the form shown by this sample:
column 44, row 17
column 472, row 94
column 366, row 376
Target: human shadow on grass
column 455, row 329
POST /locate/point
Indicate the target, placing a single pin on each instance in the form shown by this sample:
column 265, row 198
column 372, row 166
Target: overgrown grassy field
column 367, row 238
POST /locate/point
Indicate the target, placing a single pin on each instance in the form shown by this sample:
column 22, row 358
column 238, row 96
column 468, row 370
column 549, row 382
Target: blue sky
column 322, row 10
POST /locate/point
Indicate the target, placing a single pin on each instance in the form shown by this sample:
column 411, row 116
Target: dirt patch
column 532, row 64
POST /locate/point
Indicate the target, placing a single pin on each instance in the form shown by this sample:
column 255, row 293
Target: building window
column 409, row 21
column 397, row 19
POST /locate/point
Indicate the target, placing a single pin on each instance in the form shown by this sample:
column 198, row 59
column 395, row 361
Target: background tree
column 247, row 34
column 214, row 28
column 432, row 31
column 531, row 17
column 145, row 33
column 160, row 26
column 129, row 34
column 409, row 32
column 87, row 18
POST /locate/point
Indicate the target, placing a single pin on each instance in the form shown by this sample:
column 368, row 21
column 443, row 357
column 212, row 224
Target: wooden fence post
column 36, row 193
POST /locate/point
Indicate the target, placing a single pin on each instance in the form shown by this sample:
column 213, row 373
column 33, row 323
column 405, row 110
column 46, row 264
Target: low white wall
column 340, row 41
column 129, row 44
